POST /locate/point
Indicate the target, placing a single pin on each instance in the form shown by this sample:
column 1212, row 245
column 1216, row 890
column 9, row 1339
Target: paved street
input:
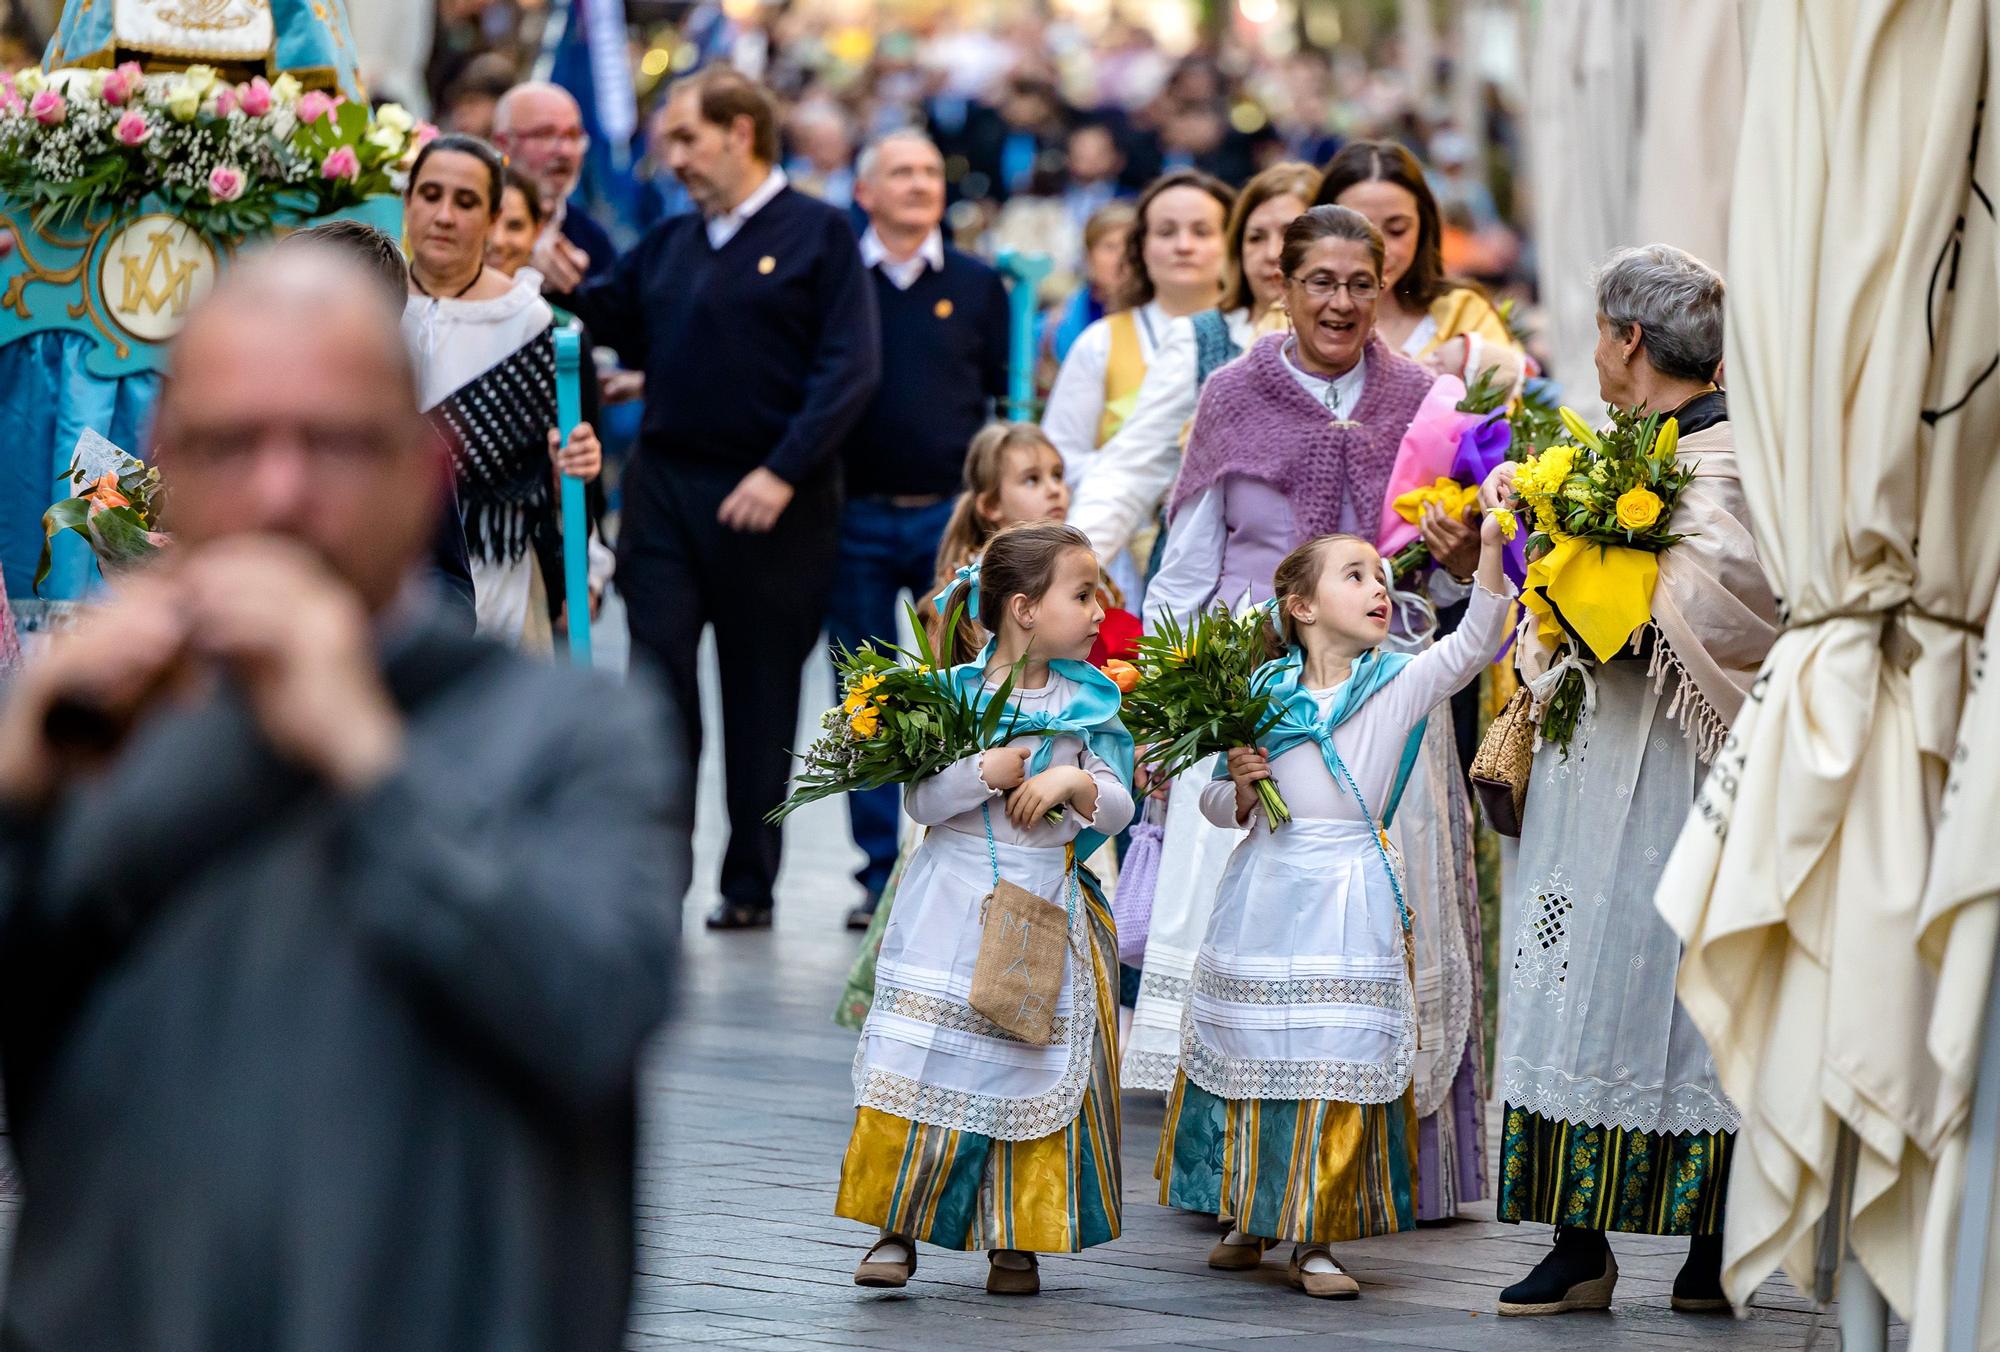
column 749, row 1114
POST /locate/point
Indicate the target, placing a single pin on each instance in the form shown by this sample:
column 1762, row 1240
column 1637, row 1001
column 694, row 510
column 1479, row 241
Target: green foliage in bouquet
column 115, row 514
column 1617, row 488
column 898, row 721
column 1193, row 699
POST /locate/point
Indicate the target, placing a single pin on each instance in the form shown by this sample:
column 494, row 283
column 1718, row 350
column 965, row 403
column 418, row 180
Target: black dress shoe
column 1578, row 1274
column 1698, row 1288
column 731, row 915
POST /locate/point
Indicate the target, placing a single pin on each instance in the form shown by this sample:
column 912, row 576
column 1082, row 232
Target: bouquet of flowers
column 1485, row 427
column 227, row 157
column 1599, row 506
column 1193, row 698
column 115, row 508
column 898, row 721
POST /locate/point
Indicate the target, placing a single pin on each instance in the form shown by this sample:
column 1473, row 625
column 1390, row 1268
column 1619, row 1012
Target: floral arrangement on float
column 227, row 159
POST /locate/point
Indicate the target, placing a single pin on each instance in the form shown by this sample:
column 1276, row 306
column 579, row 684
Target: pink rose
column 48, row 108
column 225, row 184
column 10, row 98
column 226, row 100
column 256, row 97
column 342, row 163
column 315, row 104
column 424, row 134
column 133, row 129
column 123, row 82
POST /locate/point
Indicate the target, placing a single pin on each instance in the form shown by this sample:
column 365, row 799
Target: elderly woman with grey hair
column 1615, row 1119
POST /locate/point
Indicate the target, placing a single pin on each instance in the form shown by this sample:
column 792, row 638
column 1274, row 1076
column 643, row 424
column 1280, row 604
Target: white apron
column 924, row 1054
column 1193, row 853
column 1301, row 989
column 1433, row 832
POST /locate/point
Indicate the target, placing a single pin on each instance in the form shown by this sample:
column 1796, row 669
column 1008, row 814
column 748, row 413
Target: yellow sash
column 1124, row 373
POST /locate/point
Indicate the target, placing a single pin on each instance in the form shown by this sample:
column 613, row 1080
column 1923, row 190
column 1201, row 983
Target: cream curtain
column 1862, row 323
column 1633, row 112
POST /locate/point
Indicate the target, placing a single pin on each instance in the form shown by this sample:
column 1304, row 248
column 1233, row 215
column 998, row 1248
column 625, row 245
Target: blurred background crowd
column 1046, row 109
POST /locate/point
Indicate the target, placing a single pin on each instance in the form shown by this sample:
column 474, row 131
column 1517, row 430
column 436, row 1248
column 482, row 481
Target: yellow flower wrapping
column 1605, row 592
column 1450, row 495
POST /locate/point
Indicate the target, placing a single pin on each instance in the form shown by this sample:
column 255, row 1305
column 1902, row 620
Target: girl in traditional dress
column 1454, row 330
column 1012, row 476
column 485, row 350
column 1174, row 263
column 1615, row 1115
column 1291, row 1113
column 1119, row 506
column 966, row 1136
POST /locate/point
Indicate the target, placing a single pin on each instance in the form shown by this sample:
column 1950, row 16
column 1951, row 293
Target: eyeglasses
column 575, row 136
column 1320, row 286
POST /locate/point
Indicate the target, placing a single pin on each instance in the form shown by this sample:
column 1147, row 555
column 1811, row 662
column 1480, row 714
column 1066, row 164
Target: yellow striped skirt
column 1305, row 1170
column 1056, row 1194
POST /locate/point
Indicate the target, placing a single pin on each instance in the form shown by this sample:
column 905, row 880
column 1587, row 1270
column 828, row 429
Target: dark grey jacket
column 288, row 1070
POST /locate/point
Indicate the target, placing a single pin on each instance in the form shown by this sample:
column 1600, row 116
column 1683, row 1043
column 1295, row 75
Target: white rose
column 30, row 81
column 388, row 140
column 395, row 117
column 285, row 90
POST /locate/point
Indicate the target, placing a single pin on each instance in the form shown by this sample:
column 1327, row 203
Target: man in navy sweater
column 944, row 369
column 756, row 326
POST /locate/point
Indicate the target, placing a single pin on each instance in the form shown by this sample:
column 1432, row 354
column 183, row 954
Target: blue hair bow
column 969, row 575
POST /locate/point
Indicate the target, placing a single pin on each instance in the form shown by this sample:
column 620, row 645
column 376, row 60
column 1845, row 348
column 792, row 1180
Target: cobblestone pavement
column 748, row 1114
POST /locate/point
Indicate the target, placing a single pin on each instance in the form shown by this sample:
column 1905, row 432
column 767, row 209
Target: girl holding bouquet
column 967, row 1136
column 1013, row 476
column 1291, row 1114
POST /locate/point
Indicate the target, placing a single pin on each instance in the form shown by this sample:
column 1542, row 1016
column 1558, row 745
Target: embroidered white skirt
column 925, row 1054
column 1193, row 853
column 1301, row 989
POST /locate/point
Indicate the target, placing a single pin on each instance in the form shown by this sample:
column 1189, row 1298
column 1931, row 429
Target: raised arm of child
column 1454, row 660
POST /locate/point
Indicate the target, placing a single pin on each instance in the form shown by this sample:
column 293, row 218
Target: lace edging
column 1001, row 1119
column 1694, row 1109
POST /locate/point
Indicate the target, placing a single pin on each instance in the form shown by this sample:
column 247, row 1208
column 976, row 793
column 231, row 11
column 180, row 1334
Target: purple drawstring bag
column 1138, row 877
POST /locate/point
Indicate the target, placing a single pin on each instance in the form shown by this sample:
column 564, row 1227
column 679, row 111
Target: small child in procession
column 1291, row 1113
column 966, row 1136
column 1013, row 476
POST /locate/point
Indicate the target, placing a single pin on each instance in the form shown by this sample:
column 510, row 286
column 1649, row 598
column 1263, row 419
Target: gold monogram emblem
column 153, row 270
column 767, row 265
column 211, row 15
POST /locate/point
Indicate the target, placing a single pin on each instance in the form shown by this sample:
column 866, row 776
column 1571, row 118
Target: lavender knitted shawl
column 1254, row 419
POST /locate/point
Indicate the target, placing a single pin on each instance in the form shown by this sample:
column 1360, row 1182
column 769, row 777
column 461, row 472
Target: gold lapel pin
column 767, row 265
column 942, row 309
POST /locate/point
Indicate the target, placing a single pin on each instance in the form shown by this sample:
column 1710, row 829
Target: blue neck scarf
column 1300, row 721
column 1092, row 716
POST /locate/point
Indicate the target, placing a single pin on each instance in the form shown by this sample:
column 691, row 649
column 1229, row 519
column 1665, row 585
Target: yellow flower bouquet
column 1599, row 506
column 899, row 720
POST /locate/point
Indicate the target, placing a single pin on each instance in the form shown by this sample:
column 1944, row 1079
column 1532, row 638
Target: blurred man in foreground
column 328, row 937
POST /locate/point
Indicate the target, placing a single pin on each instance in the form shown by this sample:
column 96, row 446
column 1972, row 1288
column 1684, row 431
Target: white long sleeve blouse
column 1371, row 742
column 952, row 798
column 1133, row 471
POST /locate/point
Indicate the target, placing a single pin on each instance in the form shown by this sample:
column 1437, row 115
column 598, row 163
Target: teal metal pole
column 575, row 519
column 1026, row 271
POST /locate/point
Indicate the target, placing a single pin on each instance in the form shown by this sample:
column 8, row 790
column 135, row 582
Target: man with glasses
column 336, row 1047
column 539, row 127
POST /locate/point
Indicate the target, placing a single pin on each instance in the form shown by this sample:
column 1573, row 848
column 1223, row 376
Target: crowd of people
column 1254, row 318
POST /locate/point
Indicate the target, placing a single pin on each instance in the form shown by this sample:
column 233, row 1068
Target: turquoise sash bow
column 1299, row 719
column 1092, row 717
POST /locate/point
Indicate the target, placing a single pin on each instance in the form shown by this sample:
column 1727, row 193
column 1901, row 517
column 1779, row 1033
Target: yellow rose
column 285, row 90
column 866, row 723
column 1638, row 509
column 184, row 104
